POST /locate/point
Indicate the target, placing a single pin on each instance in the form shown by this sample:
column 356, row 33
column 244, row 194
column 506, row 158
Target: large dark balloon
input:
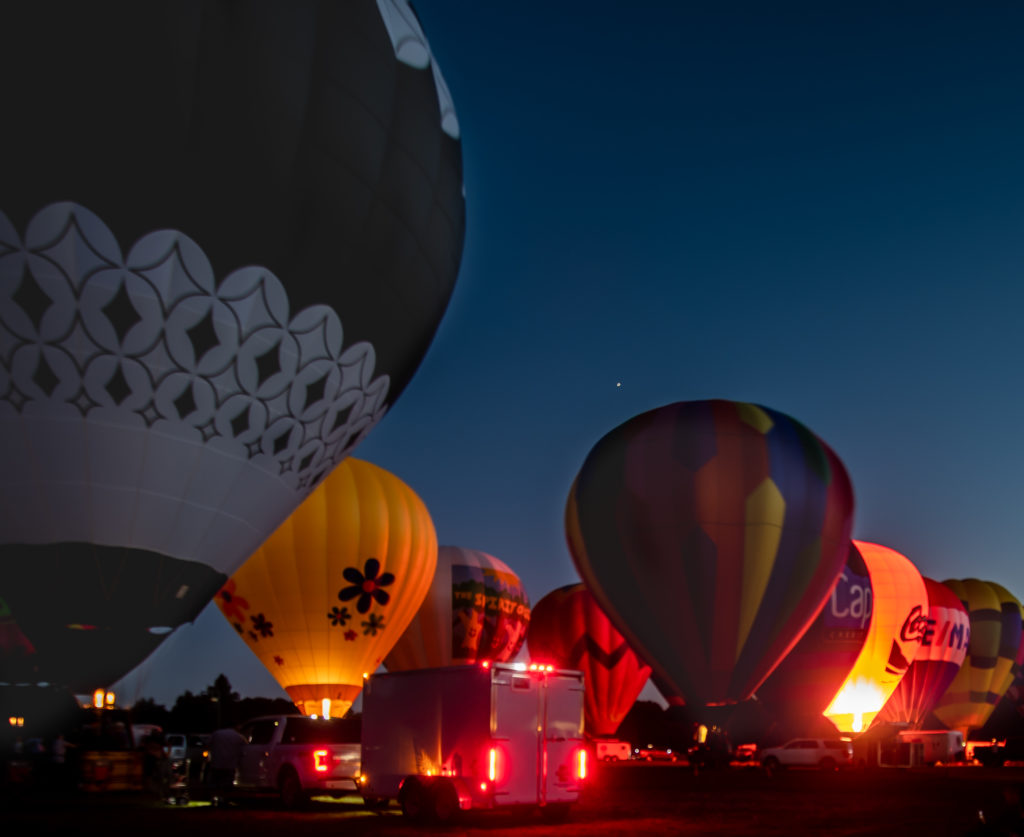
column 711, row 532
column 228, row 232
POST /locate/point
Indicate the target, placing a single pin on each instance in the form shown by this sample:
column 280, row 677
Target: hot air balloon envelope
column 987, row 670
column 228, row 233
column 329, row 593
column 898, row 623
column 476, row 610
column 569, row 629
column 711, row 533
column 942, row 652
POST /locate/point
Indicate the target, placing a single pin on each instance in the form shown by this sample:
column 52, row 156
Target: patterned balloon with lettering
column 898, row 624
column 945, row 637
column 476, row 609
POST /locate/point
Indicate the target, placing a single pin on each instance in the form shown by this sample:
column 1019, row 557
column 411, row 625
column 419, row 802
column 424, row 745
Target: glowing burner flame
column 856, row 705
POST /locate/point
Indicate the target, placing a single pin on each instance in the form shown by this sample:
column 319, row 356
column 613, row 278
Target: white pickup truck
column 298, row 757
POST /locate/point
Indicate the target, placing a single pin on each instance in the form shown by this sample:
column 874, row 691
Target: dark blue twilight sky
column 818, row 207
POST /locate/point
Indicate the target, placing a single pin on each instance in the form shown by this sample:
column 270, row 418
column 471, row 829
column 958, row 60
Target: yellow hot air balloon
column 328, row 594
column 987, row 672
column 898, row 622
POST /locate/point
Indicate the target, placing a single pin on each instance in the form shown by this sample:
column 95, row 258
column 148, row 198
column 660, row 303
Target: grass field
column 622, row 800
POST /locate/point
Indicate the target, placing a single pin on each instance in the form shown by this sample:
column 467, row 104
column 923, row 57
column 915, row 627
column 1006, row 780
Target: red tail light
column 581, row 763
column 492, row 764
column 321, row 761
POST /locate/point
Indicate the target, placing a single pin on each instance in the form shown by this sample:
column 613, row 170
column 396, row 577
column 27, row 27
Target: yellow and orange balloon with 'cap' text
column 898, row 623
column 325, row 598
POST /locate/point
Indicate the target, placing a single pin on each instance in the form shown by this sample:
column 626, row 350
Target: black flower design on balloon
column 373, row 624
column 366, row 585
column 339, row 615
column 261, row 627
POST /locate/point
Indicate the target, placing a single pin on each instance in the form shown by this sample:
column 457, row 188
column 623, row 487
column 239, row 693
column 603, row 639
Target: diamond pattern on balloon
column 268, row 364
column 154, row 339
column 32, row 299
column 122, row 313
column 240, row 423
column 44, row 377
column 185, row 403
column 281, row 441
column 315, row 392
column 118, row 387
column 203, row 336
column 341, row 419
column 83, row 402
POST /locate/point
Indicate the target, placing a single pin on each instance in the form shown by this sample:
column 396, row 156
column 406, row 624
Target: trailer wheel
column 415, row 801
column 445, row 802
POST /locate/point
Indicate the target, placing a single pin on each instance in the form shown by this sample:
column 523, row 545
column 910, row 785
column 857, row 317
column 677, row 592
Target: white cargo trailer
column 475, row 736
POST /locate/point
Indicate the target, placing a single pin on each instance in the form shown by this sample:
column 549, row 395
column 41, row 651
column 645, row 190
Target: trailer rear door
column 563, row 739
column 515, row 730
column 536, row 730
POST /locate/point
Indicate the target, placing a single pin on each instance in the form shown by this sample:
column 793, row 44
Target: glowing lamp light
column 492, row 764
column 108, row 699
column 325, row 707
column 581, row 764
column 485, row 664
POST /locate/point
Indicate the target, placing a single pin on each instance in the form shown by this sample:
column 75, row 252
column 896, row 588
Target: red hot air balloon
column 943, row 648
column 809, row 676
column 711, row 533
column 569, row 629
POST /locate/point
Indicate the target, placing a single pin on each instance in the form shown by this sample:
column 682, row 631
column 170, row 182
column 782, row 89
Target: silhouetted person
column 225, row 753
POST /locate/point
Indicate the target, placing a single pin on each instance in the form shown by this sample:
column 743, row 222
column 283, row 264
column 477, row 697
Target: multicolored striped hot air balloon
column 809, row 676
column 987, row 672
column 476, row 609
column 569, row 629
column 898, row 622
column 331, row 590
column 711, row 533
column 943, row 649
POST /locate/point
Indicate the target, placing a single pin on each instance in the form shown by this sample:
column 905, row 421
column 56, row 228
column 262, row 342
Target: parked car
column 297, row 757
column 650, row 753
column 819, row 753
column 176, row 747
